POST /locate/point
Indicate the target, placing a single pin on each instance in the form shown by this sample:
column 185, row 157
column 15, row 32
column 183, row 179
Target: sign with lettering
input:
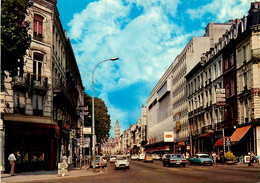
column 62, row 169
column 220, row 97
column 168, row 137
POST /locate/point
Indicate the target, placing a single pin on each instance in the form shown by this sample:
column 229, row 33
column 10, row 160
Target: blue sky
column 145, row 34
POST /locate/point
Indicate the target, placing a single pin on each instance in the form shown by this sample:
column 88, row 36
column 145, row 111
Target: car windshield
column 176, row 156
column 121, row 158
column 204, row 156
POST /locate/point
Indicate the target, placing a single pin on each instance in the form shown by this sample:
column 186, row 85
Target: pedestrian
column 64, row 158
column 214, row 155
column 12, row 160
column 18, row 162
column 100, row 163
column 69, row 161
column 187, row 155
column 75, row 159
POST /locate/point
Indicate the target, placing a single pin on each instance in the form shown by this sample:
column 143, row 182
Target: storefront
column 37, row 144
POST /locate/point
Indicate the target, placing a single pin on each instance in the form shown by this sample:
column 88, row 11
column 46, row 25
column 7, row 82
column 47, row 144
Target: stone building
column 225, row 104
column 40, row 103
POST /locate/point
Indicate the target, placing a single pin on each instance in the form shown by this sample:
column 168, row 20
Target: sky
column 146, row 35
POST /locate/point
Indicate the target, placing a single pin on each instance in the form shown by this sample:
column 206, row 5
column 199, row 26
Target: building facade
column 39, row 108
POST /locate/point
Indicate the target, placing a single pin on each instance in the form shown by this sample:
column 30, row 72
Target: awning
column 219, row 142
column 207, row 135
column 239, row 133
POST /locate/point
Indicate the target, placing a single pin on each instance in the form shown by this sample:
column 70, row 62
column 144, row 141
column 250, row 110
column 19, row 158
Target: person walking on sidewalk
column 64, row 158
column 100, row 163
column 12, row 160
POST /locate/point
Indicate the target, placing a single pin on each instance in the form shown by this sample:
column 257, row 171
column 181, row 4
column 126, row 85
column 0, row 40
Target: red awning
column 207, row 135
column 219, row 142
column 239, row 133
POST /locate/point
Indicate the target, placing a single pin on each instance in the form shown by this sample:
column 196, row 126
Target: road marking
column 160, row 170
column 145, row 171
column 201, row 168
column 188, row 169
column 175, row 169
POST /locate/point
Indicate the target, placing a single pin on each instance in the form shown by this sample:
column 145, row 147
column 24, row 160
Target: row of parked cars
column 174, row 159
column 121, row 161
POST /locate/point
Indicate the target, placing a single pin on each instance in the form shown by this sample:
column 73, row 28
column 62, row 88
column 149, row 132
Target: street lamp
column 93, row 115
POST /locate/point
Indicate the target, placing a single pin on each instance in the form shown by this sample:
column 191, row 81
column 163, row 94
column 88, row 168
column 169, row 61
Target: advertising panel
column 168, row 137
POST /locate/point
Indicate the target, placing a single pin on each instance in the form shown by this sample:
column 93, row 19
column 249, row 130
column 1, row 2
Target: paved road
column 140, row 172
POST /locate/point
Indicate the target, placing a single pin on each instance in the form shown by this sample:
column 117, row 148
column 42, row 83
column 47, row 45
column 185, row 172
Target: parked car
column 174, row 159
column 141, row 157
column 202, row 159
column 134, row 157
column 148, row 158
column 157, row 157
column 97, row 162
column 112, row 159
column 122, row 162
column 164, row 157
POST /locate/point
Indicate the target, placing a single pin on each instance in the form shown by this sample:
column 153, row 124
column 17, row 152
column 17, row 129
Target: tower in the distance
column 117, row 131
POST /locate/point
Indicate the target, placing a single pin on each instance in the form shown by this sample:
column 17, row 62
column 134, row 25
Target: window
column 19, row 99
column 246, row 111
column 233, row 86
column 19, row 102
column 245, row 80
column 244, row 54
column 37, row 105
column 37, row 26
column 37, row 66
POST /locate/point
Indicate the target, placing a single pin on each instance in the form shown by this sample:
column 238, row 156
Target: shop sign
column 246, row 159
column 220, row 97
column 87, row 130
column 168, row 137
column 62, row 169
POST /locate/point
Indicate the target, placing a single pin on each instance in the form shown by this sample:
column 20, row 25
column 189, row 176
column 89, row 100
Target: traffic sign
column 228, row 142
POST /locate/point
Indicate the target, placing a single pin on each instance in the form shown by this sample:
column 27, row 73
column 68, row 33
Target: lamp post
column 93, row 114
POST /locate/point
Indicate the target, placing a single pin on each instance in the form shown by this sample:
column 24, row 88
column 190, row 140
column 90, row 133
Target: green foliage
column 229, row 156
column 102, row 118
column 14, row 34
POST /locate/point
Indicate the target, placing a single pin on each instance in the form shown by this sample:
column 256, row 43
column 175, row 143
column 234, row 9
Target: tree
column 102, row 118
column 15, row 39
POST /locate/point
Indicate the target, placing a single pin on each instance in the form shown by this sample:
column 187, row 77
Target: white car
column 141, row 157
column 121, row 162
column 134, row 157
column 112, row 159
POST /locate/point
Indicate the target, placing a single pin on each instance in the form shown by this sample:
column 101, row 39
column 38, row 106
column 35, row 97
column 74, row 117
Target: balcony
column 21, row 82
column 206, row 129
column 39, row 83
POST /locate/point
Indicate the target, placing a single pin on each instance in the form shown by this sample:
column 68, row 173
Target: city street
column 155, row 172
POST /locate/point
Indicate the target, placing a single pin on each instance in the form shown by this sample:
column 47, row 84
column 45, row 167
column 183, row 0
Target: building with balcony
column 40, row 103
column 225, row 102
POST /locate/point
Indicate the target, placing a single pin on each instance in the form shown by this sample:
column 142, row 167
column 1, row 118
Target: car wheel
column 163, row 164
column 184, row 165
column 210, row 164
column 190, row 163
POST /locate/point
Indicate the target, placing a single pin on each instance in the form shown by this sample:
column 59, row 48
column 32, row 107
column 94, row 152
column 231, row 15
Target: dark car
column 174, row 159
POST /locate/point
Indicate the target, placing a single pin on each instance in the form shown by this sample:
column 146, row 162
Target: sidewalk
column 48, row 175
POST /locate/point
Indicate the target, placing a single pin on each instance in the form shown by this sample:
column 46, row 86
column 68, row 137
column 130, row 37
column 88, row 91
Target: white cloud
column 221, row 10
column 146, row 46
